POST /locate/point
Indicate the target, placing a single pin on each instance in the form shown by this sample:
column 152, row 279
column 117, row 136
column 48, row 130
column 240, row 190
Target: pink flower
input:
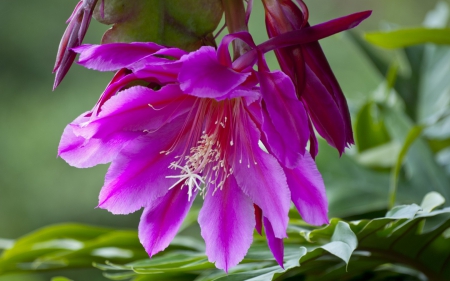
column 315, row 82
column 179, row 125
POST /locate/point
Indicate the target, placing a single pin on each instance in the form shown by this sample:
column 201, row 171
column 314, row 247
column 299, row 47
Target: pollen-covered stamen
column 190, row 179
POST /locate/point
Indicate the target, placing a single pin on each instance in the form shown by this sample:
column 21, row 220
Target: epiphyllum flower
column 176, row 125
column 315, row 82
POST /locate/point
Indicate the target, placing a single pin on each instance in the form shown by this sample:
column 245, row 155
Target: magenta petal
column 261, row 177
column 82, row 153
column 308, row 191
column 110, row 57
column 227, row 221
column 203, row 76
column 137, row 176
column 317, row 59
column 276, row 245
column 137, row 109
column 281, row 146
column 258, row 218
column 160, row 222
column 287, row 113
column 324, row 111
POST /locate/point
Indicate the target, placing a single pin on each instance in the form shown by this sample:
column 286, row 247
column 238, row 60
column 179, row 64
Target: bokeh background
column 36, row 187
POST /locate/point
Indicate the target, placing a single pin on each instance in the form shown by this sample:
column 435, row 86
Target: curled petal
column 161, row 220
column 227, row 221
column 308, row 191
column 203, row 76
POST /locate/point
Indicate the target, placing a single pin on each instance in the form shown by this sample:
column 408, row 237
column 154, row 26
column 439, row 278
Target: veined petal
column 82, row 153
column 110, row 57
column 161, row 220
column 137, row 176
column 136, row 109
column 261, row 177
column 203, row 76
column 276, row 245
column 287, row 112
column 227, row 221
column 308, row 191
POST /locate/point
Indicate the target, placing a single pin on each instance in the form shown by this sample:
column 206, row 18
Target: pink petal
column 308, row 191
column 110, row 57
column 258, row 218
column 203, row 76
column 276, row 245
column 317, row 58
column 287, row 114
column 136, row 109
column 261, row 177
column 324, row 111
column 137, row 176
column 82, row 153
column 161, row 220
column 227, row 221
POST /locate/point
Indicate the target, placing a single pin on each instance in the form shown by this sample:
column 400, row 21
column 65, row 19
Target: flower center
column 204, row 163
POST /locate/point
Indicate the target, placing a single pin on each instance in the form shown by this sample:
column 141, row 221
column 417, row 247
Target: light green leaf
column 403, row 212
column 343, row 242
column 431, row 201
column 408, row 37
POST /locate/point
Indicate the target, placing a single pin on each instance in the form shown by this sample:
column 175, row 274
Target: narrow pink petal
column 258, row 218
column 261, row 177
column 203, row 76
column 110, row 57
column 313, row 143
column 325, row 73
column 308, row 191
column 287, row 113
column 82, row 153
column 276, row 245
column 161, row 220
column 227, row 221
column 137, row 176
column 136, row 109
column 324, row 111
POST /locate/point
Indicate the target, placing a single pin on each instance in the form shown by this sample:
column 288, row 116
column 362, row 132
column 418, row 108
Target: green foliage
column 411, row 240
column 403, row 129
column 408, row 37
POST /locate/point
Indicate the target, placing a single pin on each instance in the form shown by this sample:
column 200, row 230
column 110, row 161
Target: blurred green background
column 36, row 187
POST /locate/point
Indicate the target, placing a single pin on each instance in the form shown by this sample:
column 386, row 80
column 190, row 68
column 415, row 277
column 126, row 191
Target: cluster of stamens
column 205, row 165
